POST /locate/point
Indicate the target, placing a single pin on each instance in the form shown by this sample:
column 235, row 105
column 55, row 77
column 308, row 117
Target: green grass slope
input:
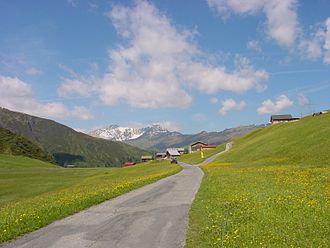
column 304, row 143
column 14, row 144
column 271, row 190
column 67, row 145
column 35, row 193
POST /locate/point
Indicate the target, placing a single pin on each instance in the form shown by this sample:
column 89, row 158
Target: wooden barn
column 146, row 158
column 196, row 147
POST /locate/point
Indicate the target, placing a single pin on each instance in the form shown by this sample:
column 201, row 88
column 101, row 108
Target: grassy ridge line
column 273, row 188
column 26, row 214
column 195, row 158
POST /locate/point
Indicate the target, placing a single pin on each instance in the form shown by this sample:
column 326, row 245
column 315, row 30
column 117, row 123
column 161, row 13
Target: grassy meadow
column 35, row 193
column 271, row 190
column 195, row 158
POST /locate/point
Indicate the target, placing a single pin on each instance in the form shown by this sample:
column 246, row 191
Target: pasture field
column 35, row 193
column 271, row 190
column 195, row 158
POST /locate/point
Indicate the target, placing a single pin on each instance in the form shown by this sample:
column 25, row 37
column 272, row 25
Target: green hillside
column 14, row 144
column 304, row 143
column 67, row 145
column 271, row 190
column 35, row 193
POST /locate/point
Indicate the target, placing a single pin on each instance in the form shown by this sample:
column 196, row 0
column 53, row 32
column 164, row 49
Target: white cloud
column 269, row 107
column 71, row 86
column 157, row 65
column 73, row 3
column 143, row 74
column 17, row 95
column 33, row 71
column 214, row 100
column 303, row 100
column 254, row 45
column 169, row 125
column 231, row 104
column 317, row 44
column 82, row 113
column 312, row 48
column 211, row 79
column 326, row 46
column 282, row 25
column 282, row 20
column 237, row 6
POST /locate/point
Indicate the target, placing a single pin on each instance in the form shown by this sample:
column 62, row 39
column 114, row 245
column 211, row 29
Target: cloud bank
column 282, row 25
column 18, row 96
column 231, row 104
column 282, row 21
column 157, row 65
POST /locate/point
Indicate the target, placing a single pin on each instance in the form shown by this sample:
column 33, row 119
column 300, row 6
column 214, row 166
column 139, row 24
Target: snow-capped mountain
column 157, row 138
column 117, row 133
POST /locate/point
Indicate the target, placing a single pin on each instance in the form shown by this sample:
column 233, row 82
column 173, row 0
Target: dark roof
column 209, row 146
column 198, row 142
column 281, row 117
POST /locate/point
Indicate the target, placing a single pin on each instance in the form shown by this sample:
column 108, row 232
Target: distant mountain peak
column 119, row 133
column 157, row 138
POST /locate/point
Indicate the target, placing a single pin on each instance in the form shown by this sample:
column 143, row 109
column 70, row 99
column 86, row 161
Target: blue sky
column 189, row 66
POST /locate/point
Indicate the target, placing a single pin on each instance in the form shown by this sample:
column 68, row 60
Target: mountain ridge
column 156, row 138
column 65, row 144
column 119, row 133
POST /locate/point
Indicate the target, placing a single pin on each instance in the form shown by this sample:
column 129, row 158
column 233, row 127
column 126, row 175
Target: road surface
column 154, row 216
column 210, row 159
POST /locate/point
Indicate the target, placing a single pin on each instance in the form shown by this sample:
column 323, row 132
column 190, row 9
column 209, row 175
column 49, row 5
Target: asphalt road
column 154, row 216
column 210, row 159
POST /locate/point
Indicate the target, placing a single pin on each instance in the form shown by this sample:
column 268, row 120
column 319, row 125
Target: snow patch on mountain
column 118, row 133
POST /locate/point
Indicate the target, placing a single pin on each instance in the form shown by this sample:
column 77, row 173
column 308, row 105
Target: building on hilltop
column 274, row 119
